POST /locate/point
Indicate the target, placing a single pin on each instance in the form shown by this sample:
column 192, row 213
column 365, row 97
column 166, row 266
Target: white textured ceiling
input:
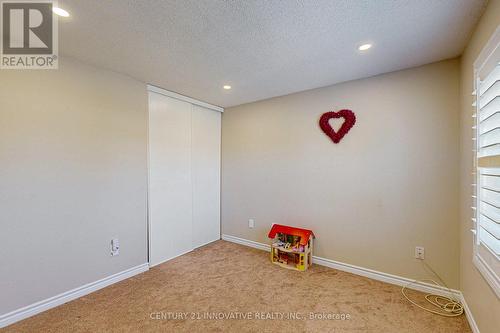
column 263, row 48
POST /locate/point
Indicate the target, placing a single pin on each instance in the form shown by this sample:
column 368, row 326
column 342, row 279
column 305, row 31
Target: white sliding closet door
column 206, row 139
column 170, row 185
column 184, row 176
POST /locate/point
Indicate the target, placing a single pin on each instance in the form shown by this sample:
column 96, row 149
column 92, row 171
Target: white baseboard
column 468, row 314
column 372, row 274
column 49, row 303
column 386, row 277
column 246, row 242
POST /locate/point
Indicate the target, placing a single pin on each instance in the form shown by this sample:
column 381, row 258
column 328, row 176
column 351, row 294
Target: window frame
column 492, row 47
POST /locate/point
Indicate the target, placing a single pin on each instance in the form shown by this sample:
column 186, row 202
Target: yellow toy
column 291, row 247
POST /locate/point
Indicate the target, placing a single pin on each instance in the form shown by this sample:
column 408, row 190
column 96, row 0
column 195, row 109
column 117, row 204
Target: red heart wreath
column 349, row 121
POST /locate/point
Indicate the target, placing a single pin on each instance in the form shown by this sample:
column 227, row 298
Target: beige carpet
column 225, row 279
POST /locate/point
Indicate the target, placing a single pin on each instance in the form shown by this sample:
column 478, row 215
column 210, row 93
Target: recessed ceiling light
column 60, row 12
column 226, row 87
column 364, row 47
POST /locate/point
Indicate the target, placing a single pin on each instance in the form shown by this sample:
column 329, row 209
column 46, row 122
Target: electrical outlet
column 251, row 223
column 115, row 247
column 419, row 252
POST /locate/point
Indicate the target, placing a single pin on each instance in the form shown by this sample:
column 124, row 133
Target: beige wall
column 484, row 304
column 73, row 175
column 390, row 185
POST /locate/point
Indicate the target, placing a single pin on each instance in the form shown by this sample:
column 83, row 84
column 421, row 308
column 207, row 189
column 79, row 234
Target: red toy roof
column 284, row 229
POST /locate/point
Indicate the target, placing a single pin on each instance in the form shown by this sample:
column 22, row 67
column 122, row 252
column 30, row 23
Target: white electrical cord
column 444, row 306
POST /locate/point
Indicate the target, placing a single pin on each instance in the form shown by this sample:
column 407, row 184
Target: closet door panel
column 170, row 184
column 206, row 153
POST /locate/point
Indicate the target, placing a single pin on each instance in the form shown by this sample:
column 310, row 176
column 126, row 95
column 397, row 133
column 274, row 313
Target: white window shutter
column 486, row 185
